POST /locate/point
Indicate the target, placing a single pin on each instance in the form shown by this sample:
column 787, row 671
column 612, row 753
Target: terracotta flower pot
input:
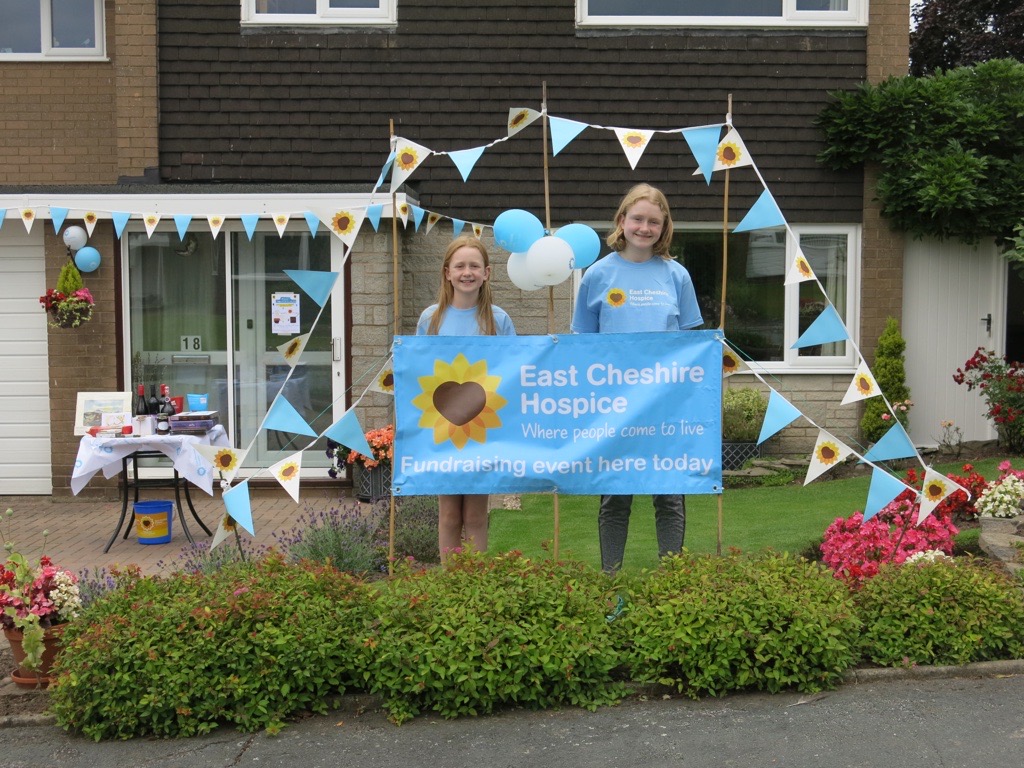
column 38, row 678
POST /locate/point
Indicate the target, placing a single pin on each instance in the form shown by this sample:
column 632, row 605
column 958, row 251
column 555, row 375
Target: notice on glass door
column 284, row 313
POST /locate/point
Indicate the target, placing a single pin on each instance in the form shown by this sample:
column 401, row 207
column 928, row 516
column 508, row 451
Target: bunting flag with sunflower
column 216, row 221
column 519, row 118
column 281, row 223
column 225, row 528
column 384, row 381
column 226, row 461
column 732, row 152
column 633, row 143
column 862, row 387
column 151, row 220
column 731, row 361
column 408, row 157
column 346, row 223
column 28, row 218
column 828, row 453
column 934, row 490
column 800, row 270
column 291, row 350
column 287, row 472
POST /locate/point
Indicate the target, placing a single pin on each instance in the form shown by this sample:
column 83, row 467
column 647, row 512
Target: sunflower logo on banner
column 460, row 402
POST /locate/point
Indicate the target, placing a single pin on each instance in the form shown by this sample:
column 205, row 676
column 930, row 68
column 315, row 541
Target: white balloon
column 519, row 273
column 550, row 260
column 75, row 238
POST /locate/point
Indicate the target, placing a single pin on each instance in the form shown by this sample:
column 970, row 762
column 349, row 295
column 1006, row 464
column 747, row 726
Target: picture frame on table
column 93, row 405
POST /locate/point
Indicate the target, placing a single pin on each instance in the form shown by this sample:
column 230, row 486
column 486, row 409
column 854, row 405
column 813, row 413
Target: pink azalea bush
column 855, row 549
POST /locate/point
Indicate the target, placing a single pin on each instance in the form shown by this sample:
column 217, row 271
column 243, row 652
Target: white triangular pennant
column 934, row 491
column 90, row 219
column 633, row 143
column 731, row 152
column 281, row 222
column 227, row 461
column 519, row 118
column 28, row 218
column 384, row 381
column 346, row 223
column 151, row 220
column 432, row 219
column 216, row 221
column 800, row 270
column 862, row 387
column 287, row 472
column 828, row 454
column 292, row 349
column 478, row 230
column 731, row 361
column 408, row 157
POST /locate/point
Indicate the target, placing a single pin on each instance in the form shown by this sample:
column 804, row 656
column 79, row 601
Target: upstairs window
column 318, row 12
column 51, row 29
column 722, row 13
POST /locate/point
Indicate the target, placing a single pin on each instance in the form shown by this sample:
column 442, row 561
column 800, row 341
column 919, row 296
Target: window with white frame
column 318, row 12
column 763, row 316
column 51, row 29
column 722, row 13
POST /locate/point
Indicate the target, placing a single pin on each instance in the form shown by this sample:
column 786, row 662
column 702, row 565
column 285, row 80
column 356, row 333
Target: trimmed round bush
column 489, row 631
column 249, row 644
column 711, row 625
column 943, row 612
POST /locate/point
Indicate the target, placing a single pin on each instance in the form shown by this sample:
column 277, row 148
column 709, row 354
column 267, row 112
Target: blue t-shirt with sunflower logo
column 620, row 296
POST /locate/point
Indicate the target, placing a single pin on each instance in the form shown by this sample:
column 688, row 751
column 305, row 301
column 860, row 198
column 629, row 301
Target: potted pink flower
column 35, row 600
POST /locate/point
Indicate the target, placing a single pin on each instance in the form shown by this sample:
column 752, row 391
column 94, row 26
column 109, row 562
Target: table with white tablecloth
column 111, row 456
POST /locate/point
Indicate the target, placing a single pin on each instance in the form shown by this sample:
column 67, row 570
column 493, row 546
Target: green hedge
column 256, row 643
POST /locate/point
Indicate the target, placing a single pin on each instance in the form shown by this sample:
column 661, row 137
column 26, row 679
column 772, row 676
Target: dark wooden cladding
column 284, row 106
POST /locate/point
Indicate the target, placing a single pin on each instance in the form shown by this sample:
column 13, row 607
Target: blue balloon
column 585, row 242
column 516, row 230
column 87, row 259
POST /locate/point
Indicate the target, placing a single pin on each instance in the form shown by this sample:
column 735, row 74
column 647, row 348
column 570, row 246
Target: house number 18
column 191, row 344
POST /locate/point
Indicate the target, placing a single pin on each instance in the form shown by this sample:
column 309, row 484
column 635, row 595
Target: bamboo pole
column 397, row 315
column 551, row 288
column 721, row 311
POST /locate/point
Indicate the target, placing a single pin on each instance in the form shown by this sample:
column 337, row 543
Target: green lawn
column 786, row 518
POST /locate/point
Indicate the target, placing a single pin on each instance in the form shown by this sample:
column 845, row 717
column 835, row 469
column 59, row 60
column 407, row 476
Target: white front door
column 24, row 378
column 953, row 302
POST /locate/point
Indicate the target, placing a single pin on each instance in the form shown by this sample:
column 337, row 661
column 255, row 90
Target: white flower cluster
column 65, row 596
column 928, row 556
column 1002, row 499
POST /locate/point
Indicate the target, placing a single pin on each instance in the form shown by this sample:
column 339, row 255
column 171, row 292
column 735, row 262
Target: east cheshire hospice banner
column 635, row 413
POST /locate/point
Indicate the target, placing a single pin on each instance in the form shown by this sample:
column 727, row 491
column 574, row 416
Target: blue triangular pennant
column 883, row 489
column 457, row 225
column 349, row 433
column 384, row 171
column 762, row 214
column 465, row 159
column 58, row 215
column 373, row 213
column 283, row 417
column 120, row 219
column 317, row 284
column 3, row 215
column 563, row 131
column 249, row 220
column 781, row 413
column 417, row 216
column 895, row 444
column 312, row 221
column 238, row 505
column 703, row 143
column 181, row 221
column 826, row 328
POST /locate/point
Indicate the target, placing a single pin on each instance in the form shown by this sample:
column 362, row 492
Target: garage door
column 24, row 392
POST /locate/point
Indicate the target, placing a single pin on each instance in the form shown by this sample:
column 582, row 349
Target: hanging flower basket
column 70, row 303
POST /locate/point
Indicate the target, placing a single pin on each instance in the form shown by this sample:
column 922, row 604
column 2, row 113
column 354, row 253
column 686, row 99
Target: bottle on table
column 166, row 406
column 153, row 404
column 141, row 407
